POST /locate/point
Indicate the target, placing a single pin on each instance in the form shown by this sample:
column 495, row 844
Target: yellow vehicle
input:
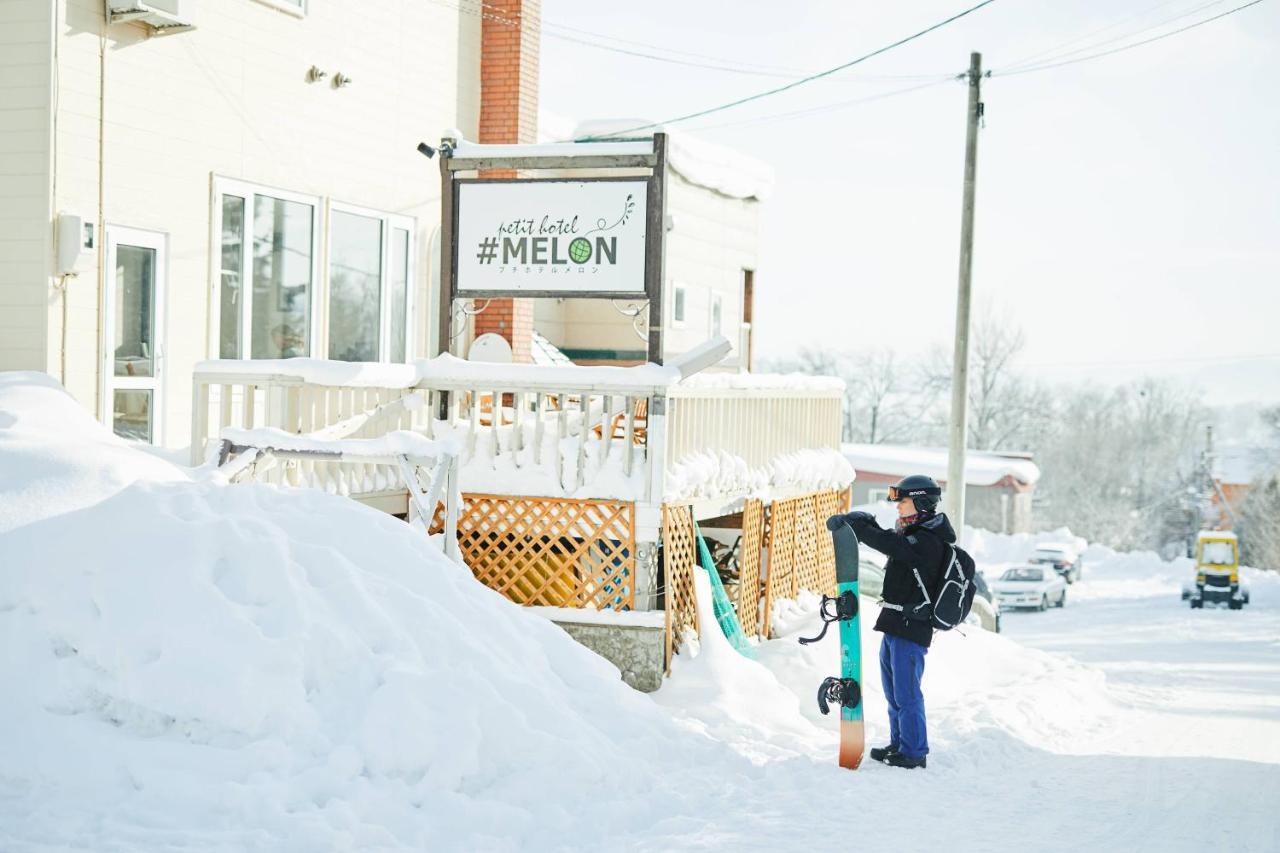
column 1217, row 571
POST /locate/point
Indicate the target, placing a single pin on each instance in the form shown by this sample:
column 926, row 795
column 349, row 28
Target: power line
column 1031, row 59
column 1123, row 48
column 714, row 64
column 825, row 108
column 476, row 8
column 1095, row 45
column 793, row 84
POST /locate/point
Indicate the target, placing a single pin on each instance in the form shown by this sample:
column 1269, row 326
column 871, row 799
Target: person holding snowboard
column 918, row 551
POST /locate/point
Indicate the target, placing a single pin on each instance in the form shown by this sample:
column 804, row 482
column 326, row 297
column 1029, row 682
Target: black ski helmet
column 923, row 490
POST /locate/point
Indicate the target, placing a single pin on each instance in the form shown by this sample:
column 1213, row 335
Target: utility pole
column 960, row 361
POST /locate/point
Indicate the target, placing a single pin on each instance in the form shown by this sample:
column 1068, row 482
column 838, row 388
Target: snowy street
column 1124, row 721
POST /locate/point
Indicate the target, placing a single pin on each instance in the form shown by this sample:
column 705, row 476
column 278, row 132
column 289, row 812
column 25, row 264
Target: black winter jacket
column 922, row 546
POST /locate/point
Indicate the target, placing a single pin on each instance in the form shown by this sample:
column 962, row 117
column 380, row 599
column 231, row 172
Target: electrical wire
column 825, row 108
column 795, row 83
column 1053, row 53
column 1123, row 48
column 591, row 38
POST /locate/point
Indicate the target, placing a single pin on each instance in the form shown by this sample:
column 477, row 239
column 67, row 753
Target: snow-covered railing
column 254, row 453
column 555, row 431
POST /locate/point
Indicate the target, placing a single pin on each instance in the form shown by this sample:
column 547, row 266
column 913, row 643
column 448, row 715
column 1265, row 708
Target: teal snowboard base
column 845, row 691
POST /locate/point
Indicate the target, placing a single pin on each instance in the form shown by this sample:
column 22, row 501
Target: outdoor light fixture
column 315, row 74
column 341, row 81
column 426, row 150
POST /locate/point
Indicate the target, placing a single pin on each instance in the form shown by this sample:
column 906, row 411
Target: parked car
column 1064, row 558
column 1037, row 586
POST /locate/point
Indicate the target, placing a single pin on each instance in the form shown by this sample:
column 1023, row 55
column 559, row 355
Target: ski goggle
column 896, row 494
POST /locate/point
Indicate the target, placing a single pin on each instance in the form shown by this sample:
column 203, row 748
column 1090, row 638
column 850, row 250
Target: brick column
column 510, row 33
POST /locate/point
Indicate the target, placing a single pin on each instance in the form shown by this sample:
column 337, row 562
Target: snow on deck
column 981, row 468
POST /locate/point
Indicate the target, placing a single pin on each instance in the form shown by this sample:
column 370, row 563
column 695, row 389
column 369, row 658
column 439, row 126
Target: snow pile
column 56, row 458
column 193, row 665
column 711, row 473
column 810, row 470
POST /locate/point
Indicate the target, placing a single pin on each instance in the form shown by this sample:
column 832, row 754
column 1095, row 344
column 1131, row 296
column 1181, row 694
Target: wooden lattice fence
column 749, row 554
column 679, row 554
column 801, row 555
column 561, row 552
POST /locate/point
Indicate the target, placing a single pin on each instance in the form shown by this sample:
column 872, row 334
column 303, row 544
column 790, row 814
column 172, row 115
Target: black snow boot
column 880, row 753
column 897, row 759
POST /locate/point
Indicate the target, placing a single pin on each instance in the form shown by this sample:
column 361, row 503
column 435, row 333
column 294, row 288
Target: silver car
column 1035, row 586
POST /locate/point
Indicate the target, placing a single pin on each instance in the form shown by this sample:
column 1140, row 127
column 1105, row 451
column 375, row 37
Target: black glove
column 834, row 522
column 861, row 517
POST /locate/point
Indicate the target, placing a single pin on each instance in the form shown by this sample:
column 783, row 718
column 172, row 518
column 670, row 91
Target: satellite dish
column 492, row 348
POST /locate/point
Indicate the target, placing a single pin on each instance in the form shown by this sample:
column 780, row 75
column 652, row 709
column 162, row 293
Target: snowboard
column 845, row 692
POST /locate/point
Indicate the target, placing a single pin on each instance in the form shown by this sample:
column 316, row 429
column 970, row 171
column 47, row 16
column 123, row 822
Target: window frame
column 247, row 190
column 678, row 291
column 716, row 302
column 876, row 495
column 298, row 10
column 390, row 222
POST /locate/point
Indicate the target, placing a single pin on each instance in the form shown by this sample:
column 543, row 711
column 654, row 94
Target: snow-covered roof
column 1215, row 534
column 1239, row 465
column 982, row 468
column 698, row 161
column 544, row 352
column 706, row 164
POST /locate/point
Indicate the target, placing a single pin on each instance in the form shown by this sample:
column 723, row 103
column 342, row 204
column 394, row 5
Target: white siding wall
column 25, row 218
column 230, row 98
column 715, row 238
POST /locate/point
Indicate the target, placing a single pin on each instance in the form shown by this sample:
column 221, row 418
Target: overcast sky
column 1128, row 207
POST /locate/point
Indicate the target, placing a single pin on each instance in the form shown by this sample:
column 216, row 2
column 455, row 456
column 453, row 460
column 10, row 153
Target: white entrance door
column 133, row 333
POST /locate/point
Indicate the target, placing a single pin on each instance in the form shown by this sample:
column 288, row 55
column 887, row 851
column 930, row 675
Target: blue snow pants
column 901, row 668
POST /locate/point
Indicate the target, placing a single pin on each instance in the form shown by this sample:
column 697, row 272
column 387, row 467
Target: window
column 876, row 495
column 370, row 257
column 270, row 284
column 267, row 270
column 678, row 305
column 717, row 313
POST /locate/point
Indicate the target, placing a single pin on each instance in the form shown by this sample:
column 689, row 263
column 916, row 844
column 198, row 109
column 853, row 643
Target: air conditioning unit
column 163, row 16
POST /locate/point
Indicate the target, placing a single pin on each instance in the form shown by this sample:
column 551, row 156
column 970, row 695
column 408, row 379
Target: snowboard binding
column 844, row 692
column 839, row 609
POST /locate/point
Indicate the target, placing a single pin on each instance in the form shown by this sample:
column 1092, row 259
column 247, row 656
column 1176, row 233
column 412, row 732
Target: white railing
column 551, row 434
column 609, row 433
column 756, row 424
column 252, row 454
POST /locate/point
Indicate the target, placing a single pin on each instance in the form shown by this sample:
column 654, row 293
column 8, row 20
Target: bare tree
column 1259, row 524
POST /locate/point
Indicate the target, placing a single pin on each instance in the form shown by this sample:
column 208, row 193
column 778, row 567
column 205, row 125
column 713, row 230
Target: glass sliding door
column 267, row 249
column 232, row 298
column 398, row 295
column 355, row 286
column 282, row 272
column 370, row 292
column 132, row 345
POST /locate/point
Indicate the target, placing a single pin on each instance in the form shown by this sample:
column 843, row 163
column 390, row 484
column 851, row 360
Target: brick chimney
column 510, row 35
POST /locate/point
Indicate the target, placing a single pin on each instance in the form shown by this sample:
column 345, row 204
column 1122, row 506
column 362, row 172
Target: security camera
column 426, row 150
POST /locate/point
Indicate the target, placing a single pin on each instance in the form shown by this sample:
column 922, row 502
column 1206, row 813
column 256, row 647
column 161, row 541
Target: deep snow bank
column 186, row 664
